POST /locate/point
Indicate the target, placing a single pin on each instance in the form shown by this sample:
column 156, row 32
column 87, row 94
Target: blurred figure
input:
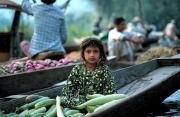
column 97, row 27
column 148, row 30
column 165, row 41
column 104, row 35
column 122, row 43
column 171, row 30
column 111, row 19
column 133, row 28
column 50, row 32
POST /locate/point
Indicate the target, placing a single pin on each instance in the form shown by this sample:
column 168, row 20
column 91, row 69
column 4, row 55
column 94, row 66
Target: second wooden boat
column 28, row 81
column 146, row 85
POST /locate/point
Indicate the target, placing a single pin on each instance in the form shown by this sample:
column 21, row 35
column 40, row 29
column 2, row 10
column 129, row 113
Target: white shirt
column 114, row 35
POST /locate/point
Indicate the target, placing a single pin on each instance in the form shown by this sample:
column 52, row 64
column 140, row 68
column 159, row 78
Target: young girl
column 92, row 77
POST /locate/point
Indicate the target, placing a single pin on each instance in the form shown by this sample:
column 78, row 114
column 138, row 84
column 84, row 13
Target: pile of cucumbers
column 98, row 101
column 41, row 106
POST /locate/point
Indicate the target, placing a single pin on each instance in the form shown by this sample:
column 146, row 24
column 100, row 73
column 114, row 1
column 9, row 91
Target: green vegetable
column 32, row 98
column 94, row 96
column 38, row 115
column 39, row 110
column 79, row 115
column 65, row 110
column 53, row 112
column 24, row 113
column 106, row 105
column 91, row 109
column 59, row 111
column 71, row 112
column 50, row 109
column 2, row 114
column 45, row 103
column 101, row 100
column 31, row 105
column 30, row 111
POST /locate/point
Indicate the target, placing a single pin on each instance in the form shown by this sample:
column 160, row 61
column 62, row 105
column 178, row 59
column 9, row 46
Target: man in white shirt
column 123, row 43
column 171, row 30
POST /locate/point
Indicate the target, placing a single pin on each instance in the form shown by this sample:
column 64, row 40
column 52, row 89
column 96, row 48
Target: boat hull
column 146, row 85
column 29, row 81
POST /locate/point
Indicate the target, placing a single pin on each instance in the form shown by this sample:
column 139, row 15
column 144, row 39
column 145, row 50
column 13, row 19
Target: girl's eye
column 96, row 51
column 88, row 51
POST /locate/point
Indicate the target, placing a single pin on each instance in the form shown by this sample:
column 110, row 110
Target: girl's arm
column 109, row 86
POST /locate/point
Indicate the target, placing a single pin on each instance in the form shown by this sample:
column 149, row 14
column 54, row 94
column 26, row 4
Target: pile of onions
column 30, row 65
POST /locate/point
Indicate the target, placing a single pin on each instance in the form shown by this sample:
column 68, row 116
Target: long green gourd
column 106, row 105
column 101, row 100
column 58, row 107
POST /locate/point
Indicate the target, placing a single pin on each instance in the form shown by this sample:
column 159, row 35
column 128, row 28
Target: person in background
column 104, row 34
column 111, row 19
column 50, row 31
column 97, row 27
column 165, row 41
column 92, row 77
column 171, row 30
column 123, row 43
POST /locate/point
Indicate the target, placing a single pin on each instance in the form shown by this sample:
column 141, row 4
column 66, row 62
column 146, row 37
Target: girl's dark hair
column 48, row 1
column 118, row 20
column 92, row 41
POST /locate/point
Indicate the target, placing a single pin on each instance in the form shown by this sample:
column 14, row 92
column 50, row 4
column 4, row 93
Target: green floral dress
column 82, row 82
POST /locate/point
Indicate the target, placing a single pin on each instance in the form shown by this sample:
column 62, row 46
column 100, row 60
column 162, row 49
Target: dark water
column 169, row 108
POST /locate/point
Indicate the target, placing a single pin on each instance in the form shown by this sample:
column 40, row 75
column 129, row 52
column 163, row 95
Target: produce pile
column 74, row 55
column 30, row 65
column 41, row 106
column 154, row 53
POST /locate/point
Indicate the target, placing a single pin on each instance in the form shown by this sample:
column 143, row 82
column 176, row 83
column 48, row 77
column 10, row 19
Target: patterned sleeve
column 70, row 95
column 27, row 6
column 63, row 32
column 109, row 87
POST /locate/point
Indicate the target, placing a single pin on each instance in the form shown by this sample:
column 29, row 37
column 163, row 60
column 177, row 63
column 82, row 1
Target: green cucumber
column 71, row 112
column 39, row 110
column 31, row 105
column 101, row 100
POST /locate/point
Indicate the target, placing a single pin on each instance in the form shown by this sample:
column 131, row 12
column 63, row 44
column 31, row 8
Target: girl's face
column 92, row 54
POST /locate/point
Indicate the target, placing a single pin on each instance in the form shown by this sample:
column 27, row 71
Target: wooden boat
column 29, row 81
column 146, row 85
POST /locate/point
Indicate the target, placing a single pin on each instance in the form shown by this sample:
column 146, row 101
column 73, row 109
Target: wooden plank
column 25, row 82
column 129, row 74
column 10, row 106
column 169, row 62
column 11, row 97
column 14, row 97
column 141, row 102
column 10, row 4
